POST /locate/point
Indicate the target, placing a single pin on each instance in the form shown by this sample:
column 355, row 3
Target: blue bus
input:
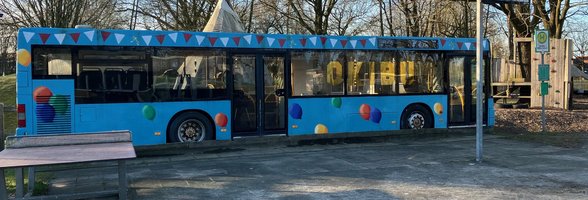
column 179, row 86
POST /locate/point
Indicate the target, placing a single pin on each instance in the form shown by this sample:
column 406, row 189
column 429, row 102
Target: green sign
column 541, row 41
column 544, row 72
column 544, row 88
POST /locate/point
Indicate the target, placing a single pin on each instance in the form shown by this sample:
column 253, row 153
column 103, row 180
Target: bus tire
column 190, row 127
column 416, row 116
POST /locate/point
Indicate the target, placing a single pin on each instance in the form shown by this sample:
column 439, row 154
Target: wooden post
column 122, row 180
column 1, row 126
column 19, row 182
column 3, row 193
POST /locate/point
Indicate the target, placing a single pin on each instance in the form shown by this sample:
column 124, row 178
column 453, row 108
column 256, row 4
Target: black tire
column 416, row 116
column 190, row 127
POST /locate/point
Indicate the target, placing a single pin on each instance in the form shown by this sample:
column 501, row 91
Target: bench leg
column 32, row 180
column 3, row 193
column 19, row 182
column 122, row 180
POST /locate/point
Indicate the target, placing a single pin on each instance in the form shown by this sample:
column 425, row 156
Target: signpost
column 542, row 46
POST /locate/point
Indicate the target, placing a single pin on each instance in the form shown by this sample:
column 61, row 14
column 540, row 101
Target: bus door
column 462, row 91
column 258, row 99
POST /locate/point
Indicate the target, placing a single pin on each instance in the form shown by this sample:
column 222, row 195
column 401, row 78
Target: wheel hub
column 191, row 131
column 416, row 121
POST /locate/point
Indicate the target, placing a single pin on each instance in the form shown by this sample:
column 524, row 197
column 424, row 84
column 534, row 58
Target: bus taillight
column 22, row 119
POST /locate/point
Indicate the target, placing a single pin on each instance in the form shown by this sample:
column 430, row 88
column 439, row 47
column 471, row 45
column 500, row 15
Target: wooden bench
column 43, row 150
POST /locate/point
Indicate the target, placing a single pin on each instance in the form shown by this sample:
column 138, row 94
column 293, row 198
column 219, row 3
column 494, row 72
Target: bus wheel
column 416, row 117
column 190, row 127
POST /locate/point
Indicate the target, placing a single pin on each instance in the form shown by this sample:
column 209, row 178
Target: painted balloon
column 149, row 112
column 295, row 111
column 23, row 57
column 438, row 108
column 42, row 94
column 321, row 129
column 59, row 103
column 45, row 113
column 376, row 115
column 336, row 101
column 221, row 119
column 364, row 111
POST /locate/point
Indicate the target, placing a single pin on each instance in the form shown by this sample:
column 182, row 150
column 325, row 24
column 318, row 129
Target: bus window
column 51, row 62
column 420, row 73
column 317, row 73
column 189, row 74
column 370, row 73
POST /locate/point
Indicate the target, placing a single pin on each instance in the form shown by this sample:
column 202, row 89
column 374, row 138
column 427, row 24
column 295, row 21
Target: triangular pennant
column 343, row 43
column 28, row 35
column 212, row 41
column 248, row 38
column 259, row 39
column 323, row 40
column 459, row 44
column 105, row 35
column 362, row 41
column 282, row 42
column 373, row 41
column 333, row 42
column 90, row 35
column 443, row 41
column 187, row 37
column 270, row 41
column 303, row 42
column 147, row 39
column 353, row 43
column 160, row 38
column 173, row 36
column 467, row 45
column 199, row 39
column 237, row 40
column 313, row 41
column 119, row 37
column 59, row 37
column 225, row 41
column 44, row 37
column 75, row 37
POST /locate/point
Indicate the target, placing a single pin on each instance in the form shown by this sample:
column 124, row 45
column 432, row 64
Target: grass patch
column 41, row 182
column 559, row 139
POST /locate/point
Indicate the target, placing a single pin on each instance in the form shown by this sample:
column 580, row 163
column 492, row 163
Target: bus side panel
column 357, row 114
column 146, row 128
column 52, row 106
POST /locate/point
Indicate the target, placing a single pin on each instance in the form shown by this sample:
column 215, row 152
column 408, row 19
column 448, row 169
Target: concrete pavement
column 404, row 168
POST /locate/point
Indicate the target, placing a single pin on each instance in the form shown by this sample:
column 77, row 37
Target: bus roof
column 96, row 37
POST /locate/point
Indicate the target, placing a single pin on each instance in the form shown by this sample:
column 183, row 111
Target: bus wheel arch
column 417, row 116
column 196, row 121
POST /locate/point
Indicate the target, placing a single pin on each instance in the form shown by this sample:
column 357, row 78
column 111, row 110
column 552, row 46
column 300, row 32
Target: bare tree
column 313, row 15
column 176, row 14
column 349, row 17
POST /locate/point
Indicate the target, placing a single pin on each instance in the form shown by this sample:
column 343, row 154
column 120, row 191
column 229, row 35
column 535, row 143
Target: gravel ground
column 557, row 121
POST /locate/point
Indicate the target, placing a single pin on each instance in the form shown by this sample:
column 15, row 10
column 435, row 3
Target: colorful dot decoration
column 221, row 119
column 49, row 105
column 148, row 112
column 23, row 57
column 295, row 111
column 321, row 129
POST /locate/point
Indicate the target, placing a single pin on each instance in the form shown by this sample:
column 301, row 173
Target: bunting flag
column 160, row 38
column 105, row 35
column 443, row 41
column 89, row 35
column 28, row 36
column 459, row 44
column 373, row 41
column 259, row 39
column 282, row 42
column 119, row 37
column 225, row 41
column 362, row 41
column 323, row 40
column 187, row 37
column 199, row 39
column 333, row 42
column 147, row 39
column 237, row 40
column 467, row 45
column 173, row 36
column 212, row 40
column 270, row 41
column 59, row 37
column 248, row 39
column 313, row 41
column 353, row 43
column 75, row 37
column 343, row 43
column 44, row 37
column 303, row 42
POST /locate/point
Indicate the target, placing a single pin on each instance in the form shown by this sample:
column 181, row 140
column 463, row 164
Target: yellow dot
column 321, row 129
column 438, row 108
column 24, row 57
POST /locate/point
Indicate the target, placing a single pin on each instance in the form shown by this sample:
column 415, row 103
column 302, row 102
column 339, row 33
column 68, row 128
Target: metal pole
column 542, row 100
column 1, row 126
column 479, row 61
